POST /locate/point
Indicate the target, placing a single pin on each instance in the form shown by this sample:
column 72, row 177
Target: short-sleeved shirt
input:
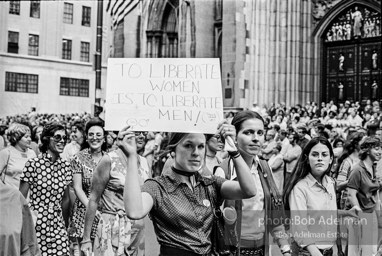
column 47, row 181
column 13, row 161
column 312, row 208
column 367, row 186
column 183, row 218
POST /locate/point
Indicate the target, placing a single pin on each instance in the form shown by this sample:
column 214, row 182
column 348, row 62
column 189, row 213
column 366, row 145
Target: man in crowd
column 292, row 154
column 303, row 136
column 354, row 119
column 284, row 141
column 270, row 144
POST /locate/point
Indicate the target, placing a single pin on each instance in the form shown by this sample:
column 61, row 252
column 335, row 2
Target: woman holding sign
column 179, row 202
column 116, row 233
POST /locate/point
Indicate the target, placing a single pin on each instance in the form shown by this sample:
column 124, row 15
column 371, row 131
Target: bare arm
column 245, row 186
column 66, row 206
column 137, row 204
column 24, row 188
column 352, row 196
column 289, row 158
column 341, row 186
column 77, row 185
column 276, row 164
column 100, row 179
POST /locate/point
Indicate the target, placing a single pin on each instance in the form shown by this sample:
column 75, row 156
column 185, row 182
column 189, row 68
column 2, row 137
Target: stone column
column 277, row 56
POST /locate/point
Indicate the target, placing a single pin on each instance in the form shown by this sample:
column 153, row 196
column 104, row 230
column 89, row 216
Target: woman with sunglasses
column 214, row 145
column 47, row 178
column 83, row 165
column 116, row 234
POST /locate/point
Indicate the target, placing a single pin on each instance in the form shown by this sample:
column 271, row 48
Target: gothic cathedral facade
column 271, row 51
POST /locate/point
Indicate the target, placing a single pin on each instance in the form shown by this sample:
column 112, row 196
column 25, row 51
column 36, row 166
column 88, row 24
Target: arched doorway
column 162, row 29
column 351, row 55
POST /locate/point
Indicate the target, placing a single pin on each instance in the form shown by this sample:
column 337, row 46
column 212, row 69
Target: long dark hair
column 302, row 168
column 350, row 145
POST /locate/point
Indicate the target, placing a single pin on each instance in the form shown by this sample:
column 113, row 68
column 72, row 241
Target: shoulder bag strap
column 264, row 167
column 208, row 190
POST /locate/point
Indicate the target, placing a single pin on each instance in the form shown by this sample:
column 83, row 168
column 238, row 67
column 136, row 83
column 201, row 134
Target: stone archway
column 318, row 33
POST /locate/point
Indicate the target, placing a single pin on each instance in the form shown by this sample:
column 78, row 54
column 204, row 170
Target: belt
column 171, row 251
column 252, row 251
column 252, row 243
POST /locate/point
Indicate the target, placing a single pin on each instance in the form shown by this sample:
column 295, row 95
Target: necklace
column 183, row 173
column 210, row 156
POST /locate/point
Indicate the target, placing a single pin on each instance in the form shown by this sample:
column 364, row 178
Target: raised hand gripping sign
column 170, row 95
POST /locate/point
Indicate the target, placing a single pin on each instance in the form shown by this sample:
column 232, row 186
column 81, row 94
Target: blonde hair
column 16, row 131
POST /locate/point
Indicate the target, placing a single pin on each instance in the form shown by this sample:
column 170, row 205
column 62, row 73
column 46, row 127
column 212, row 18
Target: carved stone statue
column 341, row 61
column 357, row 19
column 374, row 90
column 340, row 91
column 374, row 59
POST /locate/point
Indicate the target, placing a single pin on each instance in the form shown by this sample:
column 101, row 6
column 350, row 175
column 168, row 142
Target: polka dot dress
column 47, row 182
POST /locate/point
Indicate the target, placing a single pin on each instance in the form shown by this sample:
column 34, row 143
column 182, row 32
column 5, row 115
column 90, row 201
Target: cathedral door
column 352, row 57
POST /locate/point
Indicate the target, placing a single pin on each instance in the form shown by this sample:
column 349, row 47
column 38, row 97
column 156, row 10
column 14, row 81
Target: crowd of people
column 73, row 187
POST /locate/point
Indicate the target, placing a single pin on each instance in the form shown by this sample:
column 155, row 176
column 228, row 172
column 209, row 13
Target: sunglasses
column 58, row 138
column 139, row 133
column 219, row 138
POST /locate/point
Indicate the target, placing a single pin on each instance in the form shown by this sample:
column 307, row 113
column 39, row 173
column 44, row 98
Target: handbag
column 218, row 245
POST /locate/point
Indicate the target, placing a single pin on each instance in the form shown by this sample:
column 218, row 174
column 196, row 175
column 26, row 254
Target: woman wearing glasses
column 83, row 165
column 47, row 177
column 214, row 144
column 116, row 234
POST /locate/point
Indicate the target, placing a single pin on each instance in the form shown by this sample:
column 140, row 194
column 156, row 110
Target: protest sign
column 171, row 95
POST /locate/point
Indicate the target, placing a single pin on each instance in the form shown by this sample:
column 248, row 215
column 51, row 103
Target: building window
column 85, row 47
column 68, row 13
column 13, row 42
column 170, row 29
column 35, row 9
column 66, row 49
column 14, row 7
column 218, row 10
column 86, row 16
column 33, row 45
column 164, row 43
column 19, row 82
column 74, row 87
